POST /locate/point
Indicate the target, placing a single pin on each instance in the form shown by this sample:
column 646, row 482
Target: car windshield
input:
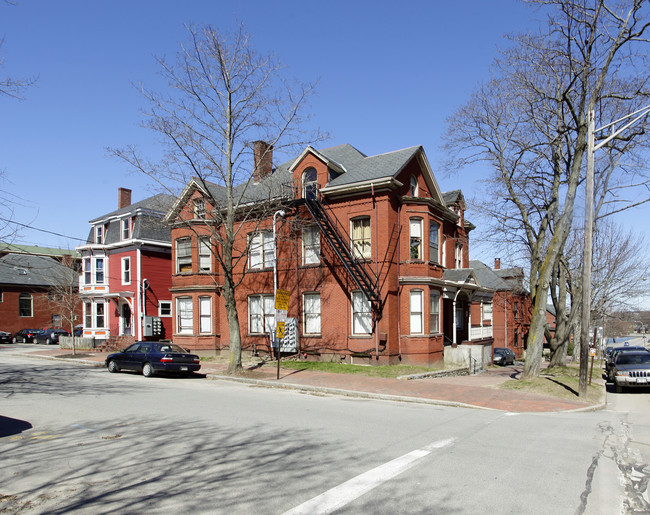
column 627, row 358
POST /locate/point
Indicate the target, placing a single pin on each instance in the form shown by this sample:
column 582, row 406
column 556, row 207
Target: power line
column 41, row 230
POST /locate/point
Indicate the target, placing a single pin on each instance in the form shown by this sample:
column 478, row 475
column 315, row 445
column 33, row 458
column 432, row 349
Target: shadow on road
column 12, row 426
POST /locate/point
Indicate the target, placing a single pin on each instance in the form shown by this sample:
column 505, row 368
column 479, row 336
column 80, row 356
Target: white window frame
column 361, row 237
column 99, row 272
column 199, row 209
column 311, row 309
column 88, row 315
column 261, row 253
column 184, row 315
column 361, row 313
column 310, row 245
column 126, row 229
column 205, row 254
column 458, row 255
column 415, row 239
column 126, row 270
column 184, row 259
column 261, row 313
column 205, row 315
column 99, row 235
column 100, row 315
column 88, row 271
column 444, row 251
column 434, row 311
column 434, row 242
column 416, row 310
column 487, row 311
column 164, row 308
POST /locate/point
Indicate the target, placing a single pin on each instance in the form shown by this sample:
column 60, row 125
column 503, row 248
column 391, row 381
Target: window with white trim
column 310, row 245
column 487, row 312
column 99, row 234
column 165, row 308
column 205, row 314
column 434, row 311
column 88, row 315
column 310, row 184
column 361, row 240
column 261, row 314
column 199, row 208
column 361, row 313
column 25, row 305
column 205, row 255
column 415, row 240
column 417, row 311
column 262, row 250
column 126, row 229
column 99, row 271
column 311, row 313
column 184, row 315
column 100, row 319
column 434, row 251
column 444, row 251
column 88, row 271
column 458, row 256
column 183, row 255
column 126, row 270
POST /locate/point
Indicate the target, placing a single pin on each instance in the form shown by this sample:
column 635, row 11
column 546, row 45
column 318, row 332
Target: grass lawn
column 561, row 382
column 342, row 368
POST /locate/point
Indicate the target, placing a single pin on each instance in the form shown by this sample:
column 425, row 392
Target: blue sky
column 390, row 73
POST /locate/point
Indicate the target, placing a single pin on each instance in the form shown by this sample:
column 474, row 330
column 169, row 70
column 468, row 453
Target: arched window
column 25, row 305
column 309, row 184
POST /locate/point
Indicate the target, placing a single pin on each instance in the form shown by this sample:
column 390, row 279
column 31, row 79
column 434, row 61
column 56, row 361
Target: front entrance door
column 125, row 320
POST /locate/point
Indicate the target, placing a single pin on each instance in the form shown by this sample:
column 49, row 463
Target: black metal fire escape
column 358, row 269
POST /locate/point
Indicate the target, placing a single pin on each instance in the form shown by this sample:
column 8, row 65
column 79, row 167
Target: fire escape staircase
column 358, row 270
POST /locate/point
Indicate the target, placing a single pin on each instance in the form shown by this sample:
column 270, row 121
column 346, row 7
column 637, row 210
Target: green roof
column 35, row 250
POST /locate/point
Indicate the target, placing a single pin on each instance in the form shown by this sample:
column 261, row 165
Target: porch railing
column 479, row 333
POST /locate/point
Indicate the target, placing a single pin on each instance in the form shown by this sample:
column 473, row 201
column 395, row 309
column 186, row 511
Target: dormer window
column 126, row 229
column 310, row 184
column 199, row 209
column 99, row 235
column 414, row 186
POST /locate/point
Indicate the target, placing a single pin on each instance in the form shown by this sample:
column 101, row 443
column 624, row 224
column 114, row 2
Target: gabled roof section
column 461, row 275
column 208, row 189
column 454, row 196
column 331, row 163
column 487, row 277
column 28, row 270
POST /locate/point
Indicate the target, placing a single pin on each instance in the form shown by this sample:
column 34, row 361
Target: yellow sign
column 282, row 300
column 279, row 330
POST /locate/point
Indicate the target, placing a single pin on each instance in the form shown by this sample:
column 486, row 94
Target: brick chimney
column 497, row 263
column 263, row 160
column 123, row 197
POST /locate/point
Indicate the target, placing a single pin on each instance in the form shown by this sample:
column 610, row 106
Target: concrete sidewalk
column 477, row 391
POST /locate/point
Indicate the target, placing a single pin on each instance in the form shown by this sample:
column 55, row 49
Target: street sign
column 279, row 330
column 282, row 300
column 592, row 351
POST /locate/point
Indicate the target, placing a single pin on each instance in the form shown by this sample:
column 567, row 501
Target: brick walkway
column 479, row 391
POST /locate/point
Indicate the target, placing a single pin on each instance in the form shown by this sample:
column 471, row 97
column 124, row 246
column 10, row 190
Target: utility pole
column 589, row 223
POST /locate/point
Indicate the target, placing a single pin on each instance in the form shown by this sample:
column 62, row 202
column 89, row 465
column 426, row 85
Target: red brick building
column 374, row 257
column 511, row 305
column 125, row 276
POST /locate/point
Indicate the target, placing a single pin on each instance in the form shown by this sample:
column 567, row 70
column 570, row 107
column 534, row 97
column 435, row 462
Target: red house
column 125, row 276
column 374, row 257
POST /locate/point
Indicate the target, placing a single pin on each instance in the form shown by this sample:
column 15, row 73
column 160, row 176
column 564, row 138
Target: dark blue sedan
column 153, row 357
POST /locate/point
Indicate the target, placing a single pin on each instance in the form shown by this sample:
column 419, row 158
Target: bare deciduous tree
column 530, row 123
column 223, row 98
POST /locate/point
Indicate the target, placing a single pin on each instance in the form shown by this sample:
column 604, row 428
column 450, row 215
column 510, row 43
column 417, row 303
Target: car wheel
column 147, row 370
column 15, row 340
column 24, row 340
column 619, row 388
column 112, row 367
column 48, row 341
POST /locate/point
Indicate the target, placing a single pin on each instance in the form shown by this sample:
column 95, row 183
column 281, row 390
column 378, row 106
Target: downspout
column 139, row 295
column 399, row 288
column 145, row 287
column 505, row 320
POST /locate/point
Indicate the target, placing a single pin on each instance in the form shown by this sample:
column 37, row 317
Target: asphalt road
column 77, row 439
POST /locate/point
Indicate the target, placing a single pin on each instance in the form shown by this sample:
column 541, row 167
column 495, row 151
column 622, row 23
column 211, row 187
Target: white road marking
column 82, row 427
column 340, row 495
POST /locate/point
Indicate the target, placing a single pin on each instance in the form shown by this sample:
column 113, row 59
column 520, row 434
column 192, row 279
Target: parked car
column 609, row 363
column 48, row 336
column 153, row 357
column 5, row 337
column 631, row 369
column 503, row 356
column 25, row 335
